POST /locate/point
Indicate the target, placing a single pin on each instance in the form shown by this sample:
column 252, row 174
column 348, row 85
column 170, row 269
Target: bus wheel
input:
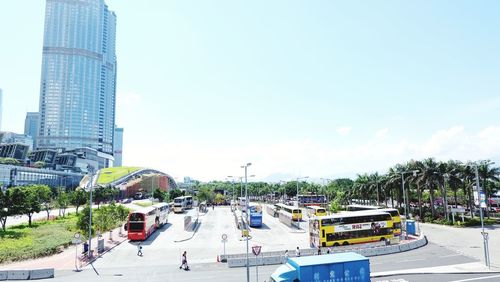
column 345, row 243
column 323, row 244
column 336, row 245
column 382, row 239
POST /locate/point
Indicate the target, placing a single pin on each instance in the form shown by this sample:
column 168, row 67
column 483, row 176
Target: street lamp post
column 246, row 211
column 297, row 196
column 485, row 235
column 90, row 170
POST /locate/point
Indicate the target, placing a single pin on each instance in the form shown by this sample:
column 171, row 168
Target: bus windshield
column 136, row 217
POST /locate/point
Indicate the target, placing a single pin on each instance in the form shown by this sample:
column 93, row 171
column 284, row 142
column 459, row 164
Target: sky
column 324, row 89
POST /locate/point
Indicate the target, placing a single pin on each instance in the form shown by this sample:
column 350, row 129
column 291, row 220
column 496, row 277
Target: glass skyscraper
column 31, row 126
column 78, row 83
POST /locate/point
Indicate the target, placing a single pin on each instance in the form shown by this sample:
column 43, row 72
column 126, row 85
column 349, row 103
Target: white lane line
column 478, row 278
column 452, row 255
column 408, row 260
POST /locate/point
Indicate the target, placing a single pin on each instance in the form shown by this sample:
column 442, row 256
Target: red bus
column 145, row 221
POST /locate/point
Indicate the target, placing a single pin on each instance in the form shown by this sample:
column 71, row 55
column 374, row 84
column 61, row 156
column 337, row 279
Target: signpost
column 76, row 240
column 256, row 252
column 224, row 240
column 457, row 210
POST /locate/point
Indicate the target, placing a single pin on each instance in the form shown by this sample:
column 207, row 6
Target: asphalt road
column 162, row 251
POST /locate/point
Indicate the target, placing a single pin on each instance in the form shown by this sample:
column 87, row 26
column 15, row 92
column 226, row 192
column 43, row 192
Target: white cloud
column 307, row 157
column 128, row 99
column 382, row 133
column 344, row 131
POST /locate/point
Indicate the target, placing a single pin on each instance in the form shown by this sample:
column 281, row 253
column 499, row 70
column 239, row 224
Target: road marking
column 408, row 260
column 452, row 255
column 478, row 278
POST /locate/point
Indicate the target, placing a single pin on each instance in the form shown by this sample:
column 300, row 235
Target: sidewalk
column 473, row 267
column 66, row 259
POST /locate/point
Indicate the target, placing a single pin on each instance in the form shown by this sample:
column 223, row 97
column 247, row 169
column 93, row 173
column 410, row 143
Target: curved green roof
column 110, row 174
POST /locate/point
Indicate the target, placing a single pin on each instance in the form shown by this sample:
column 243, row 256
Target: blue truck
column 331, row 267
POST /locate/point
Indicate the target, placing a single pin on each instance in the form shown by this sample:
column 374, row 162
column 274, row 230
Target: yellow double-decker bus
column 295, row 212
column 313, row 211
column 396, row 217
column 350, row 228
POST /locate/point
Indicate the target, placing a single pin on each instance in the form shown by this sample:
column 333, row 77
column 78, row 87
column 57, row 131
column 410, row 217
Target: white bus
column 162, row 211
column 189, row 202
column 180, row 204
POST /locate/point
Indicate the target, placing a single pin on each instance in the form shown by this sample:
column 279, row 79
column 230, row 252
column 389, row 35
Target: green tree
column 205, row 194
column 160, row 195
column 45, row 197
column 219, row 199
column 5, row 207
column 31, row 200
column 78, row 198
column 174, row 193
column 62, row 201
column 83, row 221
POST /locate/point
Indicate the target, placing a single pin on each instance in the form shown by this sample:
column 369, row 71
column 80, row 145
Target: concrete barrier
column 404, row 247
column 42, row 273
column 18, row 275
column 285, row 218
column 3, row 275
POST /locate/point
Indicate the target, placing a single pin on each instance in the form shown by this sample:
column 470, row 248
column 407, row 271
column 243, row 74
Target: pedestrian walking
column 285, row 256
column 297, row 252
column 184, row 264
column 319, row 250
column 329, row 250
column 139, row 250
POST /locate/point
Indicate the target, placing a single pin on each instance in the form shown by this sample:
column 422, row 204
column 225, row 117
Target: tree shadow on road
column 151, row 237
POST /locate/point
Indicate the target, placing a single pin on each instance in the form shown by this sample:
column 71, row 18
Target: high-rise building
column 118, row 146
column 78, row 83
column 31, row 124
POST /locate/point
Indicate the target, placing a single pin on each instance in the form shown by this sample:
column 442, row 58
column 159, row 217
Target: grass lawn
column 143, row 204
column 110, row 174
column 44, row 238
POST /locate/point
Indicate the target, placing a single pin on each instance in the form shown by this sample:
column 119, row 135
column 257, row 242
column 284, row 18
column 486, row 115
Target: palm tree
column 361, row 187
column 454, row 178
column 468, row 176
column 374, row 180
column 393, row 184
column 430, row 178
column 488, row 175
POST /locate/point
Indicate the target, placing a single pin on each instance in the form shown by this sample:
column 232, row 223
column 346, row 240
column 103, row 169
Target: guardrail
column 368, row 250
column 34, row 274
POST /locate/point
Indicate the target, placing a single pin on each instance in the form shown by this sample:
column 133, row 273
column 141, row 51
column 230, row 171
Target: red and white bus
column 144, row 222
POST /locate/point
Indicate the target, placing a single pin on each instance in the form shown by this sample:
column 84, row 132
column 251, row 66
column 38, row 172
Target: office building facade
column 118, row 146
column 31, row 124
column 78, row 81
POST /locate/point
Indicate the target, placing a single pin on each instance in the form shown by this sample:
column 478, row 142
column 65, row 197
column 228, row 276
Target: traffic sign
column 76, row 236
column 76, row 241
column 256, row 250
column 224, row 237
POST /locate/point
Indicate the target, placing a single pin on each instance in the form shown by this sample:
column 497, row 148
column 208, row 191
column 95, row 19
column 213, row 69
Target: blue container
column 411, row 227
column 332, row 267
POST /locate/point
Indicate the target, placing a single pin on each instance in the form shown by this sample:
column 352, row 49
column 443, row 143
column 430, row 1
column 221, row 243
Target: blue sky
column 316, row 88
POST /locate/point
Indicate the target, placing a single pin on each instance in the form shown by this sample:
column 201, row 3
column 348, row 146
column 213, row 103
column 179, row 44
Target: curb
column 105, row 252
column 194, row 233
